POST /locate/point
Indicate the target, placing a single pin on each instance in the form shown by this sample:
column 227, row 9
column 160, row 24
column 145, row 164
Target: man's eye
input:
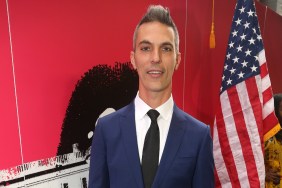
column 167, row 49
column 145, row 48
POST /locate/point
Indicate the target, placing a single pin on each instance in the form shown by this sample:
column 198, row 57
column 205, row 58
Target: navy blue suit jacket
column 187, row 159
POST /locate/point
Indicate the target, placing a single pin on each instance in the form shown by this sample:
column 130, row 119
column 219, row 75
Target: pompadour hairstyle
column 158, row 13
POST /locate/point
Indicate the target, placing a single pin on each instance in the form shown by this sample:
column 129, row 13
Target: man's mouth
column 155, row 72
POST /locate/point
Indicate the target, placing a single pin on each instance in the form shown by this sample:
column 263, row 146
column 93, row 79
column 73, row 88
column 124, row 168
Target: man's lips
column 155, row 72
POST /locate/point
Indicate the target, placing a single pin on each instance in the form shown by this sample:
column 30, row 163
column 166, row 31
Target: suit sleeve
column 98, row 173
column 204, row 172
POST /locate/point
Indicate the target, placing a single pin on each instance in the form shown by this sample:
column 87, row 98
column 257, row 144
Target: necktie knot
column 153, row 114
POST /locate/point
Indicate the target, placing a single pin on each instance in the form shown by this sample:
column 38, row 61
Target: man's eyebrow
column 167, row 44
column 144, row 42
column 149, row 43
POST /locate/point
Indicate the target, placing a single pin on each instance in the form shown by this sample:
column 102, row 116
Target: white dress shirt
column 143, row 122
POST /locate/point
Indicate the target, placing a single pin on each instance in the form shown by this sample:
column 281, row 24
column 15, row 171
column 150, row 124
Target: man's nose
column 156, row 56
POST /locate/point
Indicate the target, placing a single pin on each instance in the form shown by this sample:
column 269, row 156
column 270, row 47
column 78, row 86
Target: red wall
column 271, row 26
column 55, row 42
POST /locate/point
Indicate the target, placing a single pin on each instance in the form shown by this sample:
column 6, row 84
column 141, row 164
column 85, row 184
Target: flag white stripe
column 268, row 108
column 219, row 162
column 265, row 83
column 261, row 57
column 233, row 140
column 258, row 84
column 252, row 130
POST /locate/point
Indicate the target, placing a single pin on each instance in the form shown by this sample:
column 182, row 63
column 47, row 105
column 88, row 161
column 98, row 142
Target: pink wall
column 10, row 155
column 56, row 42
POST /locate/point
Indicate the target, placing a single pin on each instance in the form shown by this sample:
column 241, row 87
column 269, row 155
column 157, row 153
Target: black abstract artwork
column 100, row 88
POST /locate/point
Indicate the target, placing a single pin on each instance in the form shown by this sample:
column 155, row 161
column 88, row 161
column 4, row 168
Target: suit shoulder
column 192, row 121
column 114, row 116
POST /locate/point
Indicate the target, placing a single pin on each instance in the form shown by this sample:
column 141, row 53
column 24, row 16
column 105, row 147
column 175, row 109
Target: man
column 124, row 153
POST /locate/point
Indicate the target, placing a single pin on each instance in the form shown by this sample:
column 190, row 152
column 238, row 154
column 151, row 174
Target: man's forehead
column 155, row 25
column 155, row 31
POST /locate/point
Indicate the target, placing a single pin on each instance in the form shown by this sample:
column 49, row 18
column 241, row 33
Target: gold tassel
column 212, row 34
column 212, row 37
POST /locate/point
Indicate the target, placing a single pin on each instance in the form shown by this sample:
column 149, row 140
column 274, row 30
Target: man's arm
column 98, row 173
column 204, row 172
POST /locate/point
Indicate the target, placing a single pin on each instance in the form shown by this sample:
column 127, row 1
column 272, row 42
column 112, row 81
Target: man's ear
column 132, row 59
column 178, row 59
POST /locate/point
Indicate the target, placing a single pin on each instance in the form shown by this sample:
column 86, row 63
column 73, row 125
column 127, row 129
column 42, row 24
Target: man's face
column 155, row 57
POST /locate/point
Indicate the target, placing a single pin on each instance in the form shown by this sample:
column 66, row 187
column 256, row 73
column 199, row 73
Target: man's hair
column 157, row 13
column 277, row 99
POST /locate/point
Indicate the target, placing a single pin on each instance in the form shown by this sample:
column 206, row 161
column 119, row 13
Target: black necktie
column 150, row 157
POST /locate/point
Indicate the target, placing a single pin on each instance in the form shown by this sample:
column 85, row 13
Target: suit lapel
column 172, row 144
column 128, row 130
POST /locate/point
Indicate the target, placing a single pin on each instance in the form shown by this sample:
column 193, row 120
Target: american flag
column 245, row 117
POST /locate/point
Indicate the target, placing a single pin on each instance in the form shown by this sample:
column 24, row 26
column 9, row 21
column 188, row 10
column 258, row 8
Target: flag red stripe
column 217, row 181
column 252, row 90
column 269, row 122
column 263, row 70
column 267, row 95
column 243, row 136
column 226, row 150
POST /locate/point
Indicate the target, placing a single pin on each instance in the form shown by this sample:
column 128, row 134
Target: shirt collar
column 165, row 109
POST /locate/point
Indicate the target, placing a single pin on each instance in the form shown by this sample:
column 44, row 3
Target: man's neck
column 154, row 99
